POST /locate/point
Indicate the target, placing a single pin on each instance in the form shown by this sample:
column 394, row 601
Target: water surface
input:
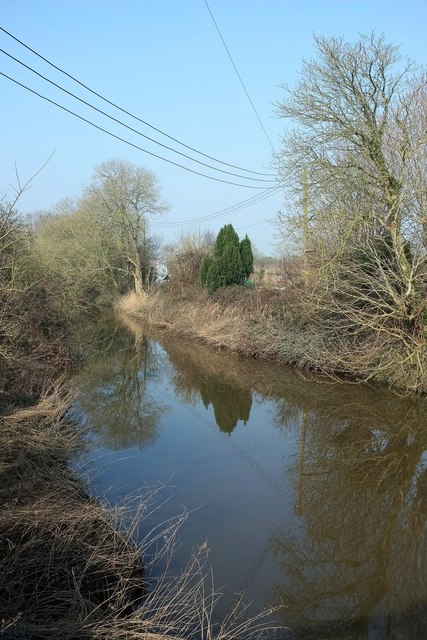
column 307, row 492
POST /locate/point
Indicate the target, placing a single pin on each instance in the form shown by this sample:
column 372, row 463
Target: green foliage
column 220, row 242
column 227, row 265
column 98, row 247
column 226, row 235
column 215, row 276
column 82, row 256
column 231, row 264
column 247, row 256
column 204, row 271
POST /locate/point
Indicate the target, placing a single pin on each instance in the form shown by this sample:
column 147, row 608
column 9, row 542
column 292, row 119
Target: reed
column 71, row 566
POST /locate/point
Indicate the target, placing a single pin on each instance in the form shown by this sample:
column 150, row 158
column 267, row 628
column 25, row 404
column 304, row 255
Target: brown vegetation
column 70, row 566
column 355, row 163
column 288, row 324
column 261, row 322
column 62, row 559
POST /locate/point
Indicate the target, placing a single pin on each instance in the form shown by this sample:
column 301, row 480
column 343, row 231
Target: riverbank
column 247, row 321
column 66, row 570
column 70, row 565
column 274, row 324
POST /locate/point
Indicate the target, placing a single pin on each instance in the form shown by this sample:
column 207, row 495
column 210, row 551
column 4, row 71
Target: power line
column 256, row 224
column 218, row 214
column 116, row 106
column 131, row 144
column 231, row 209
column 88, row 104
column 238, row 75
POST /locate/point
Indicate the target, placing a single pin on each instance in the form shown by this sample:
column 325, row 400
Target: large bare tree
column 356, row 164
column 125, row 195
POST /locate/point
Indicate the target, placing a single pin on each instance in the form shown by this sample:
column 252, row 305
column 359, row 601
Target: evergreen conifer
column 204, row 270
column 231, row 263
column 247, row 256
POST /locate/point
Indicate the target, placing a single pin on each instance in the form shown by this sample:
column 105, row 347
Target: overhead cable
column 218, row 214
column 91, row 106
column 128, row 113
column 131, row 144
column 255, row 224
column 239, row 76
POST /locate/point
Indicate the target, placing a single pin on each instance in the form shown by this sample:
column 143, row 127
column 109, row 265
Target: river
column 307, row 492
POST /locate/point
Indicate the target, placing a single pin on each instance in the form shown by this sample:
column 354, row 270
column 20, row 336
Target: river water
column 307, row 492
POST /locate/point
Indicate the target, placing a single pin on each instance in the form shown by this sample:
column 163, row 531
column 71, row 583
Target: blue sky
column 163, row 61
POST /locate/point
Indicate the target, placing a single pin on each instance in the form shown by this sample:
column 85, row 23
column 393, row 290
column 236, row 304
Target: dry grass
column 61, row 555
column 206, row 319
column 70, row 566
column 243, row 320
column 287, row 326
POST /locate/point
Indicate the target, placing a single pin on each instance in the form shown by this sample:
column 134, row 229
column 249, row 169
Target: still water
column 309, row 493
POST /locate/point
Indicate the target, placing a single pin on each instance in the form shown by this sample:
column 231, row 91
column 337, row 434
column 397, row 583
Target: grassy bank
column 71, row 567
column 276, row 324
column 63, row 562
column 248, row 321
column 260, row 323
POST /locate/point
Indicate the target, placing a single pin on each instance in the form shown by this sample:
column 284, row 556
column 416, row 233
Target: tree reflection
column 353, row 556
column 206, row 374
column 229, row 404
column 116, row 394
column 357, row 566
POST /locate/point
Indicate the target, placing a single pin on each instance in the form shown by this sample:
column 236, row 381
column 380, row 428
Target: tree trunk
column 137, row 276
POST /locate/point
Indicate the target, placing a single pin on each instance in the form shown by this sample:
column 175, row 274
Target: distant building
column 160, row 272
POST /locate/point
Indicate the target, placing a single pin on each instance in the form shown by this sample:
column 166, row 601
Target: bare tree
column 125, row 195
column 357, row 166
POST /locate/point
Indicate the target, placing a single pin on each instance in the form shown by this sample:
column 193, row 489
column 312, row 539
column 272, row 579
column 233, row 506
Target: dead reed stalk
column 70, row 566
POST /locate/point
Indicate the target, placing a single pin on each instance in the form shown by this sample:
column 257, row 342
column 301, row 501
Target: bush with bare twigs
column 185, row 261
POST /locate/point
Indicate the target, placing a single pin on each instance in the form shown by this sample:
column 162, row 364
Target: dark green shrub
column 227, row 265
column 215, row 276
column 204, row 270
column 247, row 256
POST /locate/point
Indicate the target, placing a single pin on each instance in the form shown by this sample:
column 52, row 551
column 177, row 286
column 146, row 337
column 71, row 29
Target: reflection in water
column 229, row 405
column 114, row 394
column 197, row 376
column 356, row 567
column 354, row 562
column 351, row 550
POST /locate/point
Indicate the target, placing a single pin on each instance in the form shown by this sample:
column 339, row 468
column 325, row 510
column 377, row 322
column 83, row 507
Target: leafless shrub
column 185, row 259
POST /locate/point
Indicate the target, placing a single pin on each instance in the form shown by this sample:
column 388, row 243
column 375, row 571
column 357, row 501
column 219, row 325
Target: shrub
column 231, row 263
column 247, row 256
